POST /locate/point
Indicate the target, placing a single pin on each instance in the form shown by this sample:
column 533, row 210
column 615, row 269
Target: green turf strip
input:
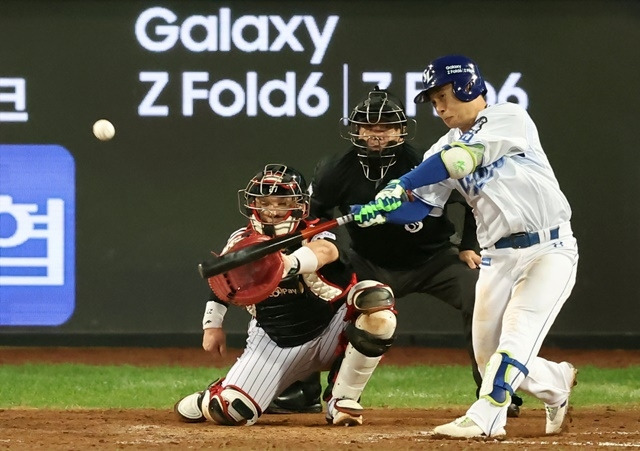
column 70, row 386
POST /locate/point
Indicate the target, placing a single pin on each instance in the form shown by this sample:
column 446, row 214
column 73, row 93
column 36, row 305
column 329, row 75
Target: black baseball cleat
column 514, row 408
column 277, row 406
column 299, row 397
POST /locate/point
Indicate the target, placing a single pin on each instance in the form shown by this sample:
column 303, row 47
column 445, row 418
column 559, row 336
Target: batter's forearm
column 409, row 212
column 455, row 161
column 428, row 172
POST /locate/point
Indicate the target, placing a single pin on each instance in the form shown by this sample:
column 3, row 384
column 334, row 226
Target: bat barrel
column 248, row 254
column 227, row 262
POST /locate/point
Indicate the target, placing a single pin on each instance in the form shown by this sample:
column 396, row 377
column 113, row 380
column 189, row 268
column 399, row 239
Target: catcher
column 308, row 314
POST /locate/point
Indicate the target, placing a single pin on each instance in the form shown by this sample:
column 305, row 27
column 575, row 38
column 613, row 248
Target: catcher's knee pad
column 495, row 383
column 370, row 296
column 229, row 406
column 373, row 333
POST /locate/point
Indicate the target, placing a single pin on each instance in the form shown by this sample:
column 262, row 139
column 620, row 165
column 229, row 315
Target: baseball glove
column 250, row 283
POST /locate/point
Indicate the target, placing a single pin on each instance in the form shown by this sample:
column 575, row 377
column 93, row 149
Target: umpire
column 412, row 258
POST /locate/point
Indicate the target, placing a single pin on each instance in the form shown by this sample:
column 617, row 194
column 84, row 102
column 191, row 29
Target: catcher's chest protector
column 294, row 314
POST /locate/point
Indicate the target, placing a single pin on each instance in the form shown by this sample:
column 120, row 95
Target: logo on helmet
column 427, row 75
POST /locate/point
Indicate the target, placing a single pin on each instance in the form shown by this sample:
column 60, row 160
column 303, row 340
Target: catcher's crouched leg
column 228, row 406
column 369, row 338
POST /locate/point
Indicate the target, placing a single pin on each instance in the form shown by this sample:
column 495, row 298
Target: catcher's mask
column 376, row 126
column 275, row 200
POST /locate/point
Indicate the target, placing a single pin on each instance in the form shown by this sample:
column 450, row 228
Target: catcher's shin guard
column 354, row 373
column 229, row 406
column 368, row 340
column 495, row 384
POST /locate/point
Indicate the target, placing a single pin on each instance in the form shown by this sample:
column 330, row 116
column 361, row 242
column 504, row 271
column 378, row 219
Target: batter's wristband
column 307, row 259
column 213, row 315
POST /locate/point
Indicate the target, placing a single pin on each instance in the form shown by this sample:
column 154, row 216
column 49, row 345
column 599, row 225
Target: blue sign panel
column 37, row 235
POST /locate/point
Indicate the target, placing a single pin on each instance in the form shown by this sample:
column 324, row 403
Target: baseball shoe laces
column 188, row 408
column 464, row 427
column 344, row 412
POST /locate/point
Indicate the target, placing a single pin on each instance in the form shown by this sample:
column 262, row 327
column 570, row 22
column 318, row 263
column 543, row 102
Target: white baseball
column 104, row 130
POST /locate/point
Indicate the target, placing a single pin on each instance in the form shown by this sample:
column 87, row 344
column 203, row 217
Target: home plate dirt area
column 399, row 429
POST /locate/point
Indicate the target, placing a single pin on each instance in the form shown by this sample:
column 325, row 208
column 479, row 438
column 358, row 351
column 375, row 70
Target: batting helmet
column 457, row 69
column 275, row 200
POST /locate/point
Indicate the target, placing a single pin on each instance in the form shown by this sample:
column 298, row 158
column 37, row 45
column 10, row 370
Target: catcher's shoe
column 344, row 412
column 557, row 414
column 464, row 427
column 275, row 407
column 300, row 397
column 188, row 408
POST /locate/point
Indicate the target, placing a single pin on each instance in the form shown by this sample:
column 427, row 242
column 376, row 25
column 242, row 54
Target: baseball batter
column 317, row 318
column 493, row 156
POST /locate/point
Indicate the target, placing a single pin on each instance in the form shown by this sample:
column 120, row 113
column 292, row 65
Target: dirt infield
column 595, row 428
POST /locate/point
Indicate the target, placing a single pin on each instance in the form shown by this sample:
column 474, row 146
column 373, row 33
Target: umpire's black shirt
column 339, row 181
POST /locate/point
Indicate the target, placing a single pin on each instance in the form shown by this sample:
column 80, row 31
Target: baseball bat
column 231, row 260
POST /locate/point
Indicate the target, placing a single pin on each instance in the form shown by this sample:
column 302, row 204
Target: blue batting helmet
column 457, row 69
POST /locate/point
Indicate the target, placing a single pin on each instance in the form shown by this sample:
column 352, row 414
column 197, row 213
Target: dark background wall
column 152, row 202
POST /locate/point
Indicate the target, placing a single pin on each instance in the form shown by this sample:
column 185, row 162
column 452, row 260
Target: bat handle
column 344, row 219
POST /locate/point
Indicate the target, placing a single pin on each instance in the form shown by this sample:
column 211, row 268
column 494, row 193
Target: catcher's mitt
column 250, row 283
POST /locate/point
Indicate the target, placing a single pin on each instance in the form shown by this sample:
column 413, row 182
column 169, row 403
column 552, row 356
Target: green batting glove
column 367, row 215
column 391, row 196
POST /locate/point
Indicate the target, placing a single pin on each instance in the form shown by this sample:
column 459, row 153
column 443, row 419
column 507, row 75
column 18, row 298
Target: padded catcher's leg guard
column 229, row 406
column 369, row 339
